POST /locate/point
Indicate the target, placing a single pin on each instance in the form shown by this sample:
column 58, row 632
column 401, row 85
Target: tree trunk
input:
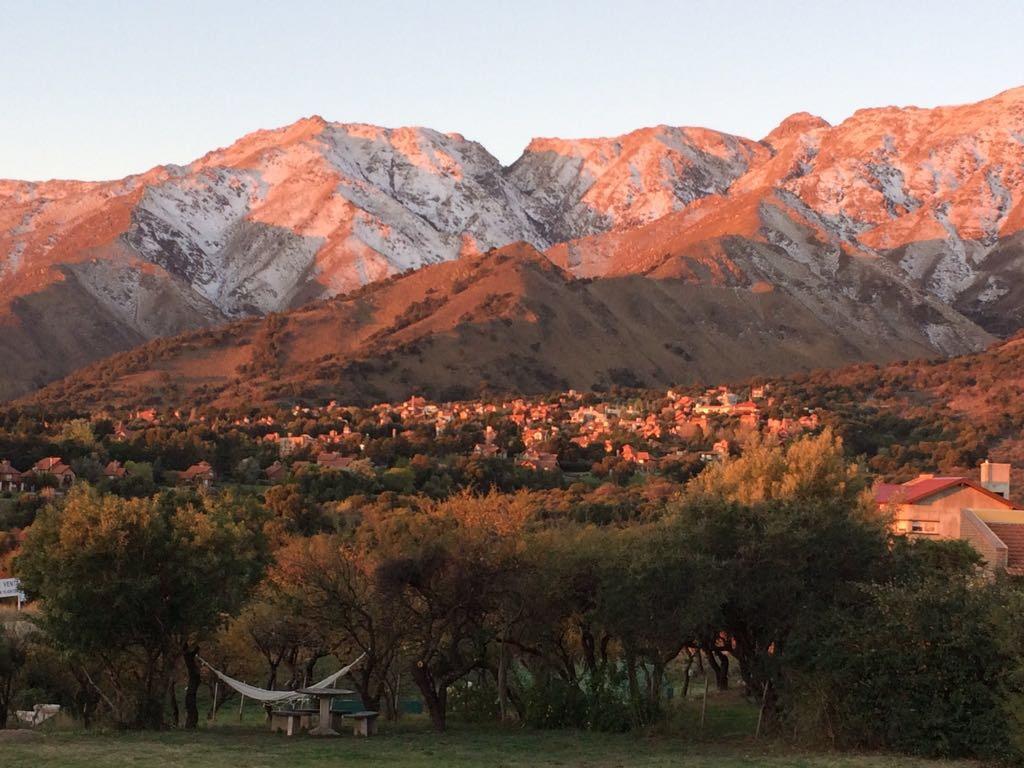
column 686, row 674
column 86, row 697
column 722, row 671
column 719, row 663
column 149, row 708
column 6, row 691
column 368, row 690
column 436, row 700
column 634, row 686
column 190, row 656
column 272, row 677
column 310, row 669
column 172, row 694
column 657, row 678
column 503, row 680
column 589, row 649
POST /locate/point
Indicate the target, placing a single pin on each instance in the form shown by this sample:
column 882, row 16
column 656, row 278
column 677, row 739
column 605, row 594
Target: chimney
column 996, row 478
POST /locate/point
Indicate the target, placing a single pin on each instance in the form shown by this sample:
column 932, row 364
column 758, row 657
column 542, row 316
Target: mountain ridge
column 926, row 203
column 506, row 321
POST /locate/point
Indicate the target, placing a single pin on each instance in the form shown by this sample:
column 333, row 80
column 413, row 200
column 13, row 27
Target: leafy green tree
column 138, row 583
column 77, row 432
column 445, row 568
column 13, row 656
column 811, row 468
column 789, row 532
column 655, row 596
column 330, row 583
column 294, row 510
column 927, row 666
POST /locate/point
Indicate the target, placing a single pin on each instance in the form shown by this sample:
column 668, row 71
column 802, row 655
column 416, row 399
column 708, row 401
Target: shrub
column 599, row 703
column 924, row 667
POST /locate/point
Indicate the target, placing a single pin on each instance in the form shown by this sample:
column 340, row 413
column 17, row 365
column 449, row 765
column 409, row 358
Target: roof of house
column 925, row 486
column 114, row 469
column 333, row 460
column 53, row 464
column 197, row 470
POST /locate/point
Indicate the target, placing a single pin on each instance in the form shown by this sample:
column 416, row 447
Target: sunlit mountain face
column 899, row 224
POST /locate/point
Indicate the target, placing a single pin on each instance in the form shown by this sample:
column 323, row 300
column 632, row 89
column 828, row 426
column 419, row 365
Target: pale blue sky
column 100, row 89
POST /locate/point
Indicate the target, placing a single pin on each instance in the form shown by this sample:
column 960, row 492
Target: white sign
column 10, row 588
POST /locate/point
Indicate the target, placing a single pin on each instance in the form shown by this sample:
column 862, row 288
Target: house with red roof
column 488, row 451
column 55, row 467
column 539, row 461
column 114, row 470
column 953, row 507
column 200, row 474
column 642, row 459
column 333, row 461
column 276, row 472
column 10, row 478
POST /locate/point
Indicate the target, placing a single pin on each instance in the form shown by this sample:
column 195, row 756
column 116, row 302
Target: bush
column 474, row 701
column 924, row 668
column 599, row 703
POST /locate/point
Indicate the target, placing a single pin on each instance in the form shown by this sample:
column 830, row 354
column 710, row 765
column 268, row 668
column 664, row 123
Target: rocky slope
column 935, row 194
column 286, row 216
column 908, row 219
column 509, row 320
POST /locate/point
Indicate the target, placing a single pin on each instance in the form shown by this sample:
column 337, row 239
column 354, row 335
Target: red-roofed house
column 641, row 458
column 333, row 461
column 10, row 478
column 55, row 466
column 960, row 508
column 198, row 474
column 114, row 470
column 488, row 450
column 541, row 462
column 276, row 472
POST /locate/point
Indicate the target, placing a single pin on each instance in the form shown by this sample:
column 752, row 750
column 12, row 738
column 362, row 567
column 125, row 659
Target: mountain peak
column 316, row 208
column 796, row 124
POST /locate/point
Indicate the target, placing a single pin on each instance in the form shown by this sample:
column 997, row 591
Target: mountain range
column 667, row 254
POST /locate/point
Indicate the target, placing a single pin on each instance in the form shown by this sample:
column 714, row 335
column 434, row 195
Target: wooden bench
column 363, row 723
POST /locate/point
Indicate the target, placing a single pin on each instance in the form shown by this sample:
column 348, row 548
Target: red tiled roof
column 884, row 492
column 922, row 487
column 197, row 470
column 49, row 464
column 330, row 460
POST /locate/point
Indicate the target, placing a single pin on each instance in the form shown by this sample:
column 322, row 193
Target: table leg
column 323, row 728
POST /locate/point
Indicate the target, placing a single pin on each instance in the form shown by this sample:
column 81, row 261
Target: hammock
column 262, row 694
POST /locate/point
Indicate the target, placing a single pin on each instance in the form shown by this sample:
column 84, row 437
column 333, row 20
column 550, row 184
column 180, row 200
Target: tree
column 12, row 658
column 138, row 583
column 789, row 533
column 810, row 468
column 293, row 509
column 654, row 597
column 928, row 666
column 446, row 568
column 329, row 583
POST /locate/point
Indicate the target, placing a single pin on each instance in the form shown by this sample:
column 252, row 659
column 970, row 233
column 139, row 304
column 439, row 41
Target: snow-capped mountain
column 894, row 211
column 935, row 194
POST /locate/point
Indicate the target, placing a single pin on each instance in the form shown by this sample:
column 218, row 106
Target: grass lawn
column 413, row 745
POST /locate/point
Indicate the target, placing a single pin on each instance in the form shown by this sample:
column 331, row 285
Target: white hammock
column 262, row 694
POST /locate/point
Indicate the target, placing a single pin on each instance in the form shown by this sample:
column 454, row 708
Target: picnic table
column 325, row 696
